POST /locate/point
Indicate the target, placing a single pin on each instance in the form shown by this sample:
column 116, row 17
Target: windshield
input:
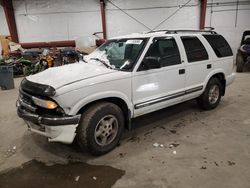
column 118, row 54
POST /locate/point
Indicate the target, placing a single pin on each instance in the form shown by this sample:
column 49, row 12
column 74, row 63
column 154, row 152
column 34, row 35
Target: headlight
column 44, row 103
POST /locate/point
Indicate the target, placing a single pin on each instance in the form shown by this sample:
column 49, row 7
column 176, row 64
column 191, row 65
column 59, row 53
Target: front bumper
column 230, row 79
column 50, row 121
column 63, row 134
column 57, row 129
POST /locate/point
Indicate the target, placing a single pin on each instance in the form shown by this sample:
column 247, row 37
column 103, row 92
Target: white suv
column 94, row 100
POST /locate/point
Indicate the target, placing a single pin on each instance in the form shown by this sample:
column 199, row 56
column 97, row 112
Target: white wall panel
column 119, row 23
column 3, row 24
column 46, row 20
column 50, row 20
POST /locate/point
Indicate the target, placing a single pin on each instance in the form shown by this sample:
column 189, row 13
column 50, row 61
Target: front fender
column 98, row 96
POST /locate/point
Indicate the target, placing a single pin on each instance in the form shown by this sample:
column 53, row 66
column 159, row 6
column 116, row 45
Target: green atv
column 243, row 56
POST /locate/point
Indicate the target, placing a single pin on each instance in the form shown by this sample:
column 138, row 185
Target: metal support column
column 10, row 18
column 102, row 3
column 203, row 13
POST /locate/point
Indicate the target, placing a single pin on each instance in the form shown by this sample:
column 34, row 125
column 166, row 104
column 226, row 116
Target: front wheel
column 101, row 128
column 211, row 96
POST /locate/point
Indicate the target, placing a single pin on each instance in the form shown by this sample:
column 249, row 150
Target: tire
column 239, row 63
column 92, row 125
column 204, row 101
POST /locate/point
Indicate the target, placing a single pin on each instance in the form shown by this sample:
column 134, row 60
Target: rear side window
column 194, row 49
column 219, row 44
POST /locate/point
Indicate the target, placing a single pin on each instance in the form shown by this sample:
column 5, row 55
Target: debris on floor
column 203, row 168
column 148, row 133
column 94, row 178
column 216, row 164
column 134, row 139
column 173, row 145
column 77, row 178
column 156, row 145
column 230, row 163
column 10, row 151
column 173, row 131
column 174, row 152
column 122, row 155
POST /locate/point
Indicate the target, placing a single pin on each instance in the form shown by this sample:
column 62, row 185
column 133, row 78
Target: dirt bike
column 45, row 61
column 17, row 64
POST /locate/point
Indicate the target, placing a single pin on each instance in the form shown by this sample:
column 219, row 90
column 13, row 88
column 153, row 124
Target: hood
column 59, row 76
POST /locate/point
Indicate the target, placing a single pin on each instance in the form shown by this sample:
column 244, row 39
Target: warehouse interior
column 174, row 147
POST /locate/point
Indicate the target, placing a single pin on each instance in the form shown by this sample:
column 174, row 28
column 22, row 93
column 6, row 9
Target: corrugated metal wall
column 46, row 20
column 43, row 20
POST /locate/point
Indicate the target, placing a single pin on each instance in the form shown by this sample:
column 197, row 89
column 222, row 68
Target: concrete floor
column 213, row 150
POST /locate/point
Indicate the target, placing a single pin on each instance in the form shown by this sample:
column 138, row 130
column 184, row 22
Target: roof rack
column 184, row 31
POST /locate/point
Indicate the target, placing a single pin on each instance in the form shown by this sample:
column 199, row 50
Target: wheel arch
column 221, row 77
column 120, row 101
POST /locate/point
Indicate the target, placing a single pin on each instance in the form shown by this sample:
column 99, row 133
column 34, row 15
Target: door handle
column 209, row 66
column 181, row 71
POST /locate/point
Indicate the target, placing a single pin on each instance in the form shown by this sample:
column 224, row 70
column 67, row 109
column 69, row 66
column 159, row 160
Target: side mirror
column 151, row 62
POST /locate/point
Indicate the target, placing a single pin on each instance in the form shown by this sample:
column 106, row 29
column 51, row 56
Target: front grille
column 26, row 101
column 30, row 106
column 25, row 96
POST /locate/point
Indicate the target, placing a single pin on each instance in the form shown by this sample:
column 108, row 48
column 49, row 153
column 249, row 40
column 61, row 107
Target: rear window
column 219, row 44
column 194, row 49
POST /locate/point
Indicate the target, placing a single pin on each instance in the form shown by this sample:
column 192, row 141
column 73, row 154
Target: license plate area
column 35, row 126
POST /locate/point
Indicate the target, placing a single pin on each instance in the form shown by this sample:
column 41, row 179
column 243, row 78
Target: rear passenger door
column 198, row 65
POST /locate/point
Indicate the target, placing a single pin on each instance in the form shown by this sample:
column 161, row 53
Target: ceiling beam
column 67, row 43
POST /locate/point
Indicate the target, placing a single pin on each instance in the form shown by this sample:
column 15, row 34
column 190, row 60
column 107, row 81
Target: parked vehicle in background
column 128, row 76
column 243, row 53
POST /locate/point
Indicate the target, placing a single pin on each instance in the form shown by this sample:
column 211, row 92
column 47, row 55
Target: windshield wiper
column 103, row 62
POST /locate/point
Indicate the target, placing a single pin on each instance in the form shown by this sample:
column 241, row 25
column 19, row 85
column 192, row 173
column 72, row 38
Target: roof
column 159, row 33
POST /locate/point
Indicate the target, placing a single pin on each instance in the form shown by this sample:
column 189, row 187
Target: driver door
column 156, row 88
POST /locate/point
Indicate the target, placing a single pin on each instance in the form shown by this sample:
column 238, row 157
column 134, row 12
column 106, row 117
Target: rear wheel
column 101, row 128
column 211, row 96
column 239, row 63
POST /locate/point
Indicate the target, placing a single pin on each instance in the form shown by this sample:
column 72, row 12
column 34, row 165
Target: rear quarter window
column 194, row 49
column 219, row 44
